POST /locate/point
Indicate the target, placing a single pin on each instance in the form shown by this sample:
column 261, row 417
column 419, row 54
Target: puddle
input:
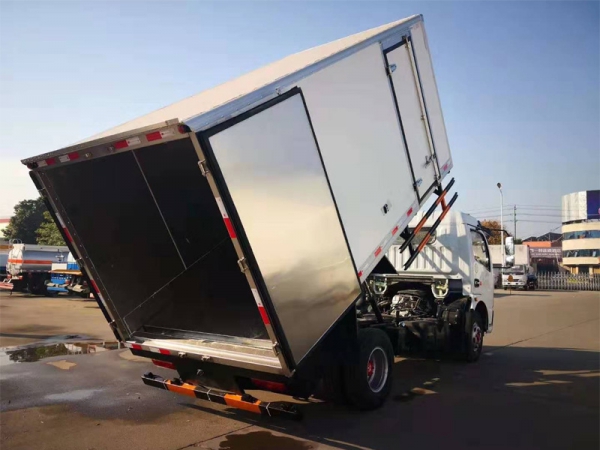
column 262, row 440
column 50, row 347
column 73, row 396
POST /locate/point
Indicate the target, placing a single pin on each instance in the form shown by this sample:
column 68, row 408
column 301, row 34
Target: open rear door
column 270, row 165
column 147, row 230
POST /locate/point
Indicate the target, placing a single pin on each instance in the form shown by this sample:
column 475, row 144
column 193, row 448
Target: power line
column 538, row 221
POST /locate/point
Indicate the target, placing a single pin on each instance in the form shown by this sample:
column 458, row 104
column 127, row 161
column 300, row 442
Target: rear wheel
column 473, row 336
column 332, row 386
column 368, row 381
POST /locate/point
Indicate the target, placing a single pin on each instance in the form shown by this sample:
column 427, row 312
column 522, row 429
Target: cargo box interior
column 158, row 243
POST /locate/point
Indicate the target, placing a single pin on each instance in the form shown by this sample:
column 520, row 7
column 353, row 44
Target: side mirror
column 509, row 246
column 510, row 261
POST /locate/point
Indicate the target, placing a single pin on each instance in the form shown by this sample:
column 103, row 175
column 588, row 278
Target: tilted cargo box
column 237, row 225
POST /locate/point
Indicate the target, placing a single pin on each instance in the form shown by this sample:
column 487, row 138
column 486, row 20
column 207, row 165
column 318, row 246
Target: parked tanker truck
column 239, row 237
column 4, row 248
column 28, row 266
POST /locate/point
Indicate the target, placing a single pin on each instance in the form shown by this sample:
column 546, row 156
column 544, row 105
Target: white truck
column 238, row 236
column 29, row 265
column 519, row 276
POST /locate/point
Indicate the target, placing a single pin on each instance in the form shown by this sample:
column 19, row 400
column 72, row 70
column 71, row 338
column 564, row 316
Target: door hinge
column 428, row 160
column 391, row 68
column 243, row 264
column 276, row 349
column 418, row 183
column 203, row 167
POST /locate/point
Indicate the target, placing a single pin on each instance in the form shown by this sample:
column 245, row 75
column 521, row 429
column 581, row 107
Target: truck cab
column 456, row 261
column 520, row 276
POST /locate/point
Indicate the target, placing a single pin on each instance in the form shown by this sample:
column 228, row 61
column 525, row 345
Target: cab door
column 482, row 276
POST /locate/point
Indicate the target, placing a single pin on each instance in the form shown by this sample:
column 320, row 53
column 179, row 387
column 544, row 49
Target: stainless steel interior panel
column 272, row 168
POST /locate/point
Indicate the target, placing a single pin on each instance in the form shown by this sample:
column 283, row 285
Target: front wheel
column 473, row 336
column 368, row 381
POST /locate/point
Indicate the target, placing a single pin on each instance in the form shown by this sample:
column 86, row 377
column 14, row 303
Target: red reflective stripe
column 69, row 237
column 378, row 251
column 165, row 364
column 229, row 226
column 360, row 274
column 73, row 156
column 409, row 212
column 121, row 144
column 29, row 261
column 155, row 136
column 395, row 230
column 50, row 161
column 136, row 346
column 269, row 385
column 95, row 286
column 445, row 167
column 164, row 352
column 264, row 316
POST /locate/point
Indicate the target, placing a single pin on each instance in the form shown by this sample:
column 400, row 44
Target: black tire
column 473, row 336
column 332, row 386
column 368, row 381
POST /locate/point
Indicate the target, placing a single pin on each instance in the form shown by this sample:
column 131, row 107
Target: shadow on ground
column 514, row 397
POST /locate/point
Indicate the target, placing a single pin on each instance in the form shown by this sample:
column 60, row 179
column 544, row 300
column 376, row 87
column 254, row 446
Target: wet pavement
column 536, row 386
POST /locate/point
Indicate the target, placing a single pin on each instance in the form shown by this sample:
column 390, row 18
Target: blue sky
column 519, row 81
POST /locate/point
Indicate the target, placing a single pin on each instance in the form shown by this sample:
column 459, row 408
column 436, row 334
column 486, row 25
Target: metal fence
column 568, row 282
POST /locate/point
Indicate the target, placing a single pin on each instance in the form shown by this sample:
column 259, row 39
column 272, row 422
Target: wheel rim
column 377, row 369
column 477, row 337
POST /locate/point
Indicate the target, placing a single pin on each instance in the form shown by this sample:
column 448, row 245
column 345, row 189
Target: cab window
column 480, row 249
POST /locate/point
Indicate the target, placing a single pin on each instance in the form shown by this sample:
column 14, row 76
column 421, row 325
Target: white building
column 581, row 231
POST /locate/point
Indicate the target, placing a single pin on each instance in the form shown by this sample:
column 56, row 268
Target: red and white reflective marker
column 68, row 157
column 64, row 227
column 157, row 135
column 261, row 308
column 127, row 143
column 226, row 218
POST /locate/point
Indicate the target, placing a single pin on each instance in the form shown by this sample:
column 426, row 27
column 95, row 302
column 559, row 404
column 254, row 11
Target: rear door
column 270, row 165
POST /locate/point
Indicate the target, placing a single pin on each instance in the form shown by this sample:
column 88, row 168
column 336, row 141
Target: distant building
column 581, row 231
column 548, row 237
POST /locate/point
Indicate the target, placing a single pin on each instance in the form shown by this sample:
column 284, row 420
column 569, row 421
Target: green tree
column 48, row 232
column 25, row 221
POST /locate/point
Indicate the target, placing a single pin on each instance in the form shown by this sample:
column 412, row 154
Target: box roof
column 218, row 96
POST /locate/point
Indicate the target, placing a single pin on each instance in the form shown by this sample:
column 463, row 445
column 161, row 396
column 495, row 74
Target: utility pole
column 515, row 219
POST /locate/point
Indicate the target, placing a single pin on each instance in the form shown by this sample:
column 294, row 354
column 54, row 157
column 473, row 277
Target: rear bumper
column 245, row 402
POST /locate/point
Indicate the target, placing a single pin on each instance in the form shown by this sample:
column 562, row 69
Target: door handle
column 477, row 283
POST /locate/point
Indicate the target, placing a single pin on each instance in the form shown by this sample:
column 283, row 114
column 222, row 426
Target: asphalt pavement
column 537, row 386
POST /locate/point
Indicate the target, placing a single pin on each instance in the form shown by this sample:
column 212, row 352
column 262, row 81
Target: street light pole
column 501, row 222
